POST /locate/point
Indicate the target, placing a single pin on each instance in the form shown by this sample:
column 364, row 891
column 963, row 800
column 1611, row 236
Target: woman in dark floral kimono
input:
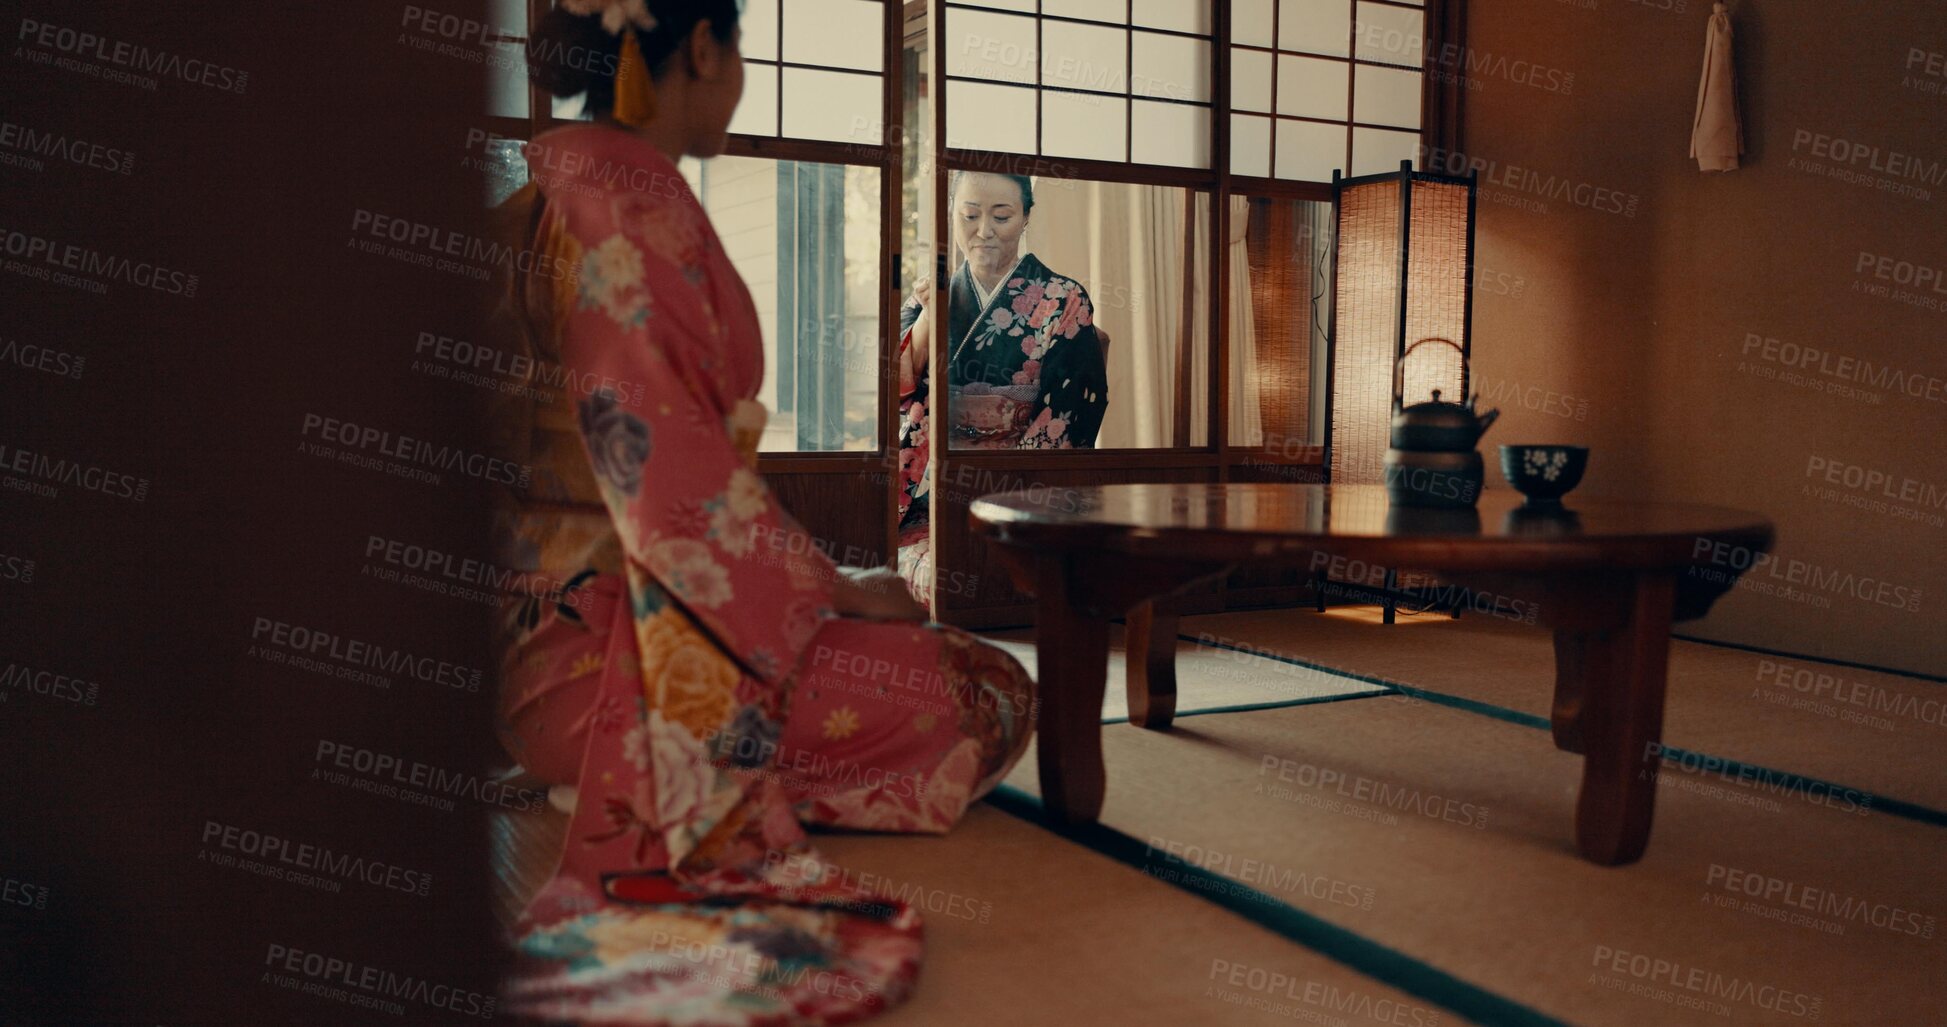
column 1025, row 366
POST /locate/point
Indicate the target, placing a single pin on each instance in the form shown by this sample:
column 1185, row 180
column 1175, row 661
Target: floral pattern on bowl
column 1544, row 473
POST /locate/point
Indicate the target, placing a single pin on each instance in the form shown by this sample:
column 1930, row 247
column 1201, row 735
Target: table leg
column 1571, row 662
column 1072, row 661
column 1151, row 675
column 1620, row 676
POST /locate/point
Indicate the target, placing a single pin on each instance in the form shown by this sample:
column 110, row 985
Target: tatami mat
column 1440, row 839
column 1074, row 938
column 1879, row 732
column 1446, row 836
column 1023, row 927
column 1207, row 677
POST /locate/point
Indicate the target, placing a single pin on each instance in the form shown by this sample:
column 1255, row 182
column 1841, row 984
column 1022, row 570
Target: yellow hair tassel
column 635, row 91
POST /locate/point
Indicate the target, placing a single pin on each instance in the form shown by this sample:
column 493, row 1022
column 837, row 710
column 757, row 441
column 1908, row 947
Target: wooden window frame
column 1441, row 97
column 1441, row 101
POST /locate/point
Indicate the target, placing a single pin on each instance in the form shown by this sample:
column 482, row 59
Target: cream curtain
column 1124, row 243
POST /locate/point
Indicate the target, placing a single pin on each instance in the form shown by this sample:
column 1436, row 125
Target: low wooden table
column 1608, row 577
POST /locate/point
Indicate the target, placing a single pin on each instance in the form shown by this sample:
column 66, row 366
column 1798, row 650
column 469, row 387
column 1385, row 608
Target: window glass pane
column 1389, row 34
column 1250, row 80
column 1310, row 152
column 757, row 112
column 506, row 169
column 1250, row 22
column 1377, row 149
column 1277, row 318
column 1115, row 12
column 1314, row 26
column 507, row 17
column 507, row 80
column 1092, row 57
column 836, row 33
column 1386, row 96
column 1250, row 146
column 1180, row 15
column 1130, row 248
column 1092, row 127
column 980, row 116
column 833, row 105
column 999, row 47
column 805, row 239
column 1176, row 134
column 759, row 27
column 1171, row 67
column 570, row 108
column 1312, row 88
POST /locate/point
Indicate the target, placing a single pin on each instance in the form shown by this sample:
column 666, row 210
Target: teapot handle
column 1399, row 368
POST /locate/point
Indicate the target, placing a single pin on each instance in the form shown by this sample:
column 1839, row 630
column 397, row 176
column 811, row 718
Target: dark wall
column 170, row 539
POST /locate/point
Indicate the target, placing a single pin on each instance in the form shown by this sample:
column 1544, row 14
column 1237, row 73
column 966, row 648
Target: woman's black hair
column 571, row 54
column 1025, row 183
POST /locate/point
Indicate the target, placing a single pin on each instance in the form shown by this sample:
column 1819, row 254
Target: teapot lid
column 1437, row 414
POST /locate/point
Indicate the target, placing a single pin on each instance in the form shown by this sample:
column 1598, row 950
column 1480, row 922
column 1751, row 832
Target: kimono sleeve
column 685, row 506
column 1074, row 384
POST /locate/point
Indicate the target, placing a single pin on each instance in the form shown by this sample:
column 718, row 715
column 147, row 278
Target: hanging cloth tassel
column 1716, row 135
column 635, row 91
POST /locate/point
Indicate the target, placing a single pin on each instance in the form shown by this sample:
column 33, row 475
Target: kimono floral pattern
column 1027, row 373
column 701, row 695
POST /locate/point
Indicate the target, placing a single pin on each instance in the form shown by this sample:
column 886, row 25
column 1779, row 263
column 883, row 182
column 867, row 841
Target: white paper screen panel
column 758, row 26
column 1113, row 12
column 1250, row 146
column 985, row 116
column 757, row 112
column 1309, row 87
column 1251, row 22
column 1309, row 151
column 835, row 33
column 1376, row 149
column 833, row 105
column 1386, row 96
column 1250, row 80
column 1315, row 26
column 995, row 47
column 1092, row 57
column 1174, row 134
column 1086, row 126
column 1176, row 15
column 1171, row 67
column 1119, row 81
column 1391, row 35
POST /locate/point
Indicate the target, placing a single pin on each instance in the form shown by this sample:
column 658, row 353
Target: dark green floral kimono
column 1025, row 372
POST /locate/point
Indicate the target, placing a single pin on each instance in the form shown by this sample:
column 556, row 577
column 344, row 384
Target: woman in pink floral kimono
column 710, row 681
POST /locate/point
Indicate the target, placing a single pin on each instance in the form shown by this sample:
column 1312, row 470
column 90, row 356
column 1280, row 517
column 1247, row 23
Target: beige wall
column 1629, row 333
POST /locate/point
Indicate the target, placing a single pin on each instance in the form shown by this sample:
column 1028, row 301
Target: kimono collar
column 580, row 158
column 984, row 296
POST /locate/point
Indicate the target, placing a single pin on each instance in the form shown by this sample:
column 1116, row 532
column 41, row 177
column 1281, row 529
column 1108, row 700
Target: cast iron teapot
column 1432, row 462
column 1436, row 426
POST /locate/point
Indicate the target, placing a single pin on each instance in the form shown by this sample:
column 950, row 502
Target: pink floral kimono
column 694, row 682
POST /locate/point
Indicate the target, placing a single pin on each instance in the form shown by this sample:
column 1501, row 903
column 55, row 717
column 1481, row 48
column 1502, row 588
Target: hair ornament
column 616, row 14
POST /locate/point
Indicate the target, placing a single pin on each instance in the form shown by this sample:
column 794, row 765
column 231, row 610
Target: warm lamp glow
column 1404, row 264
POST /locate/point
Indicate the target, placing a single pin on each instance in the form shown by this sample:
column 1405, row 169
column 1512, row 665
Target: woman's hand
column 912, row 359
column 875, row 593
